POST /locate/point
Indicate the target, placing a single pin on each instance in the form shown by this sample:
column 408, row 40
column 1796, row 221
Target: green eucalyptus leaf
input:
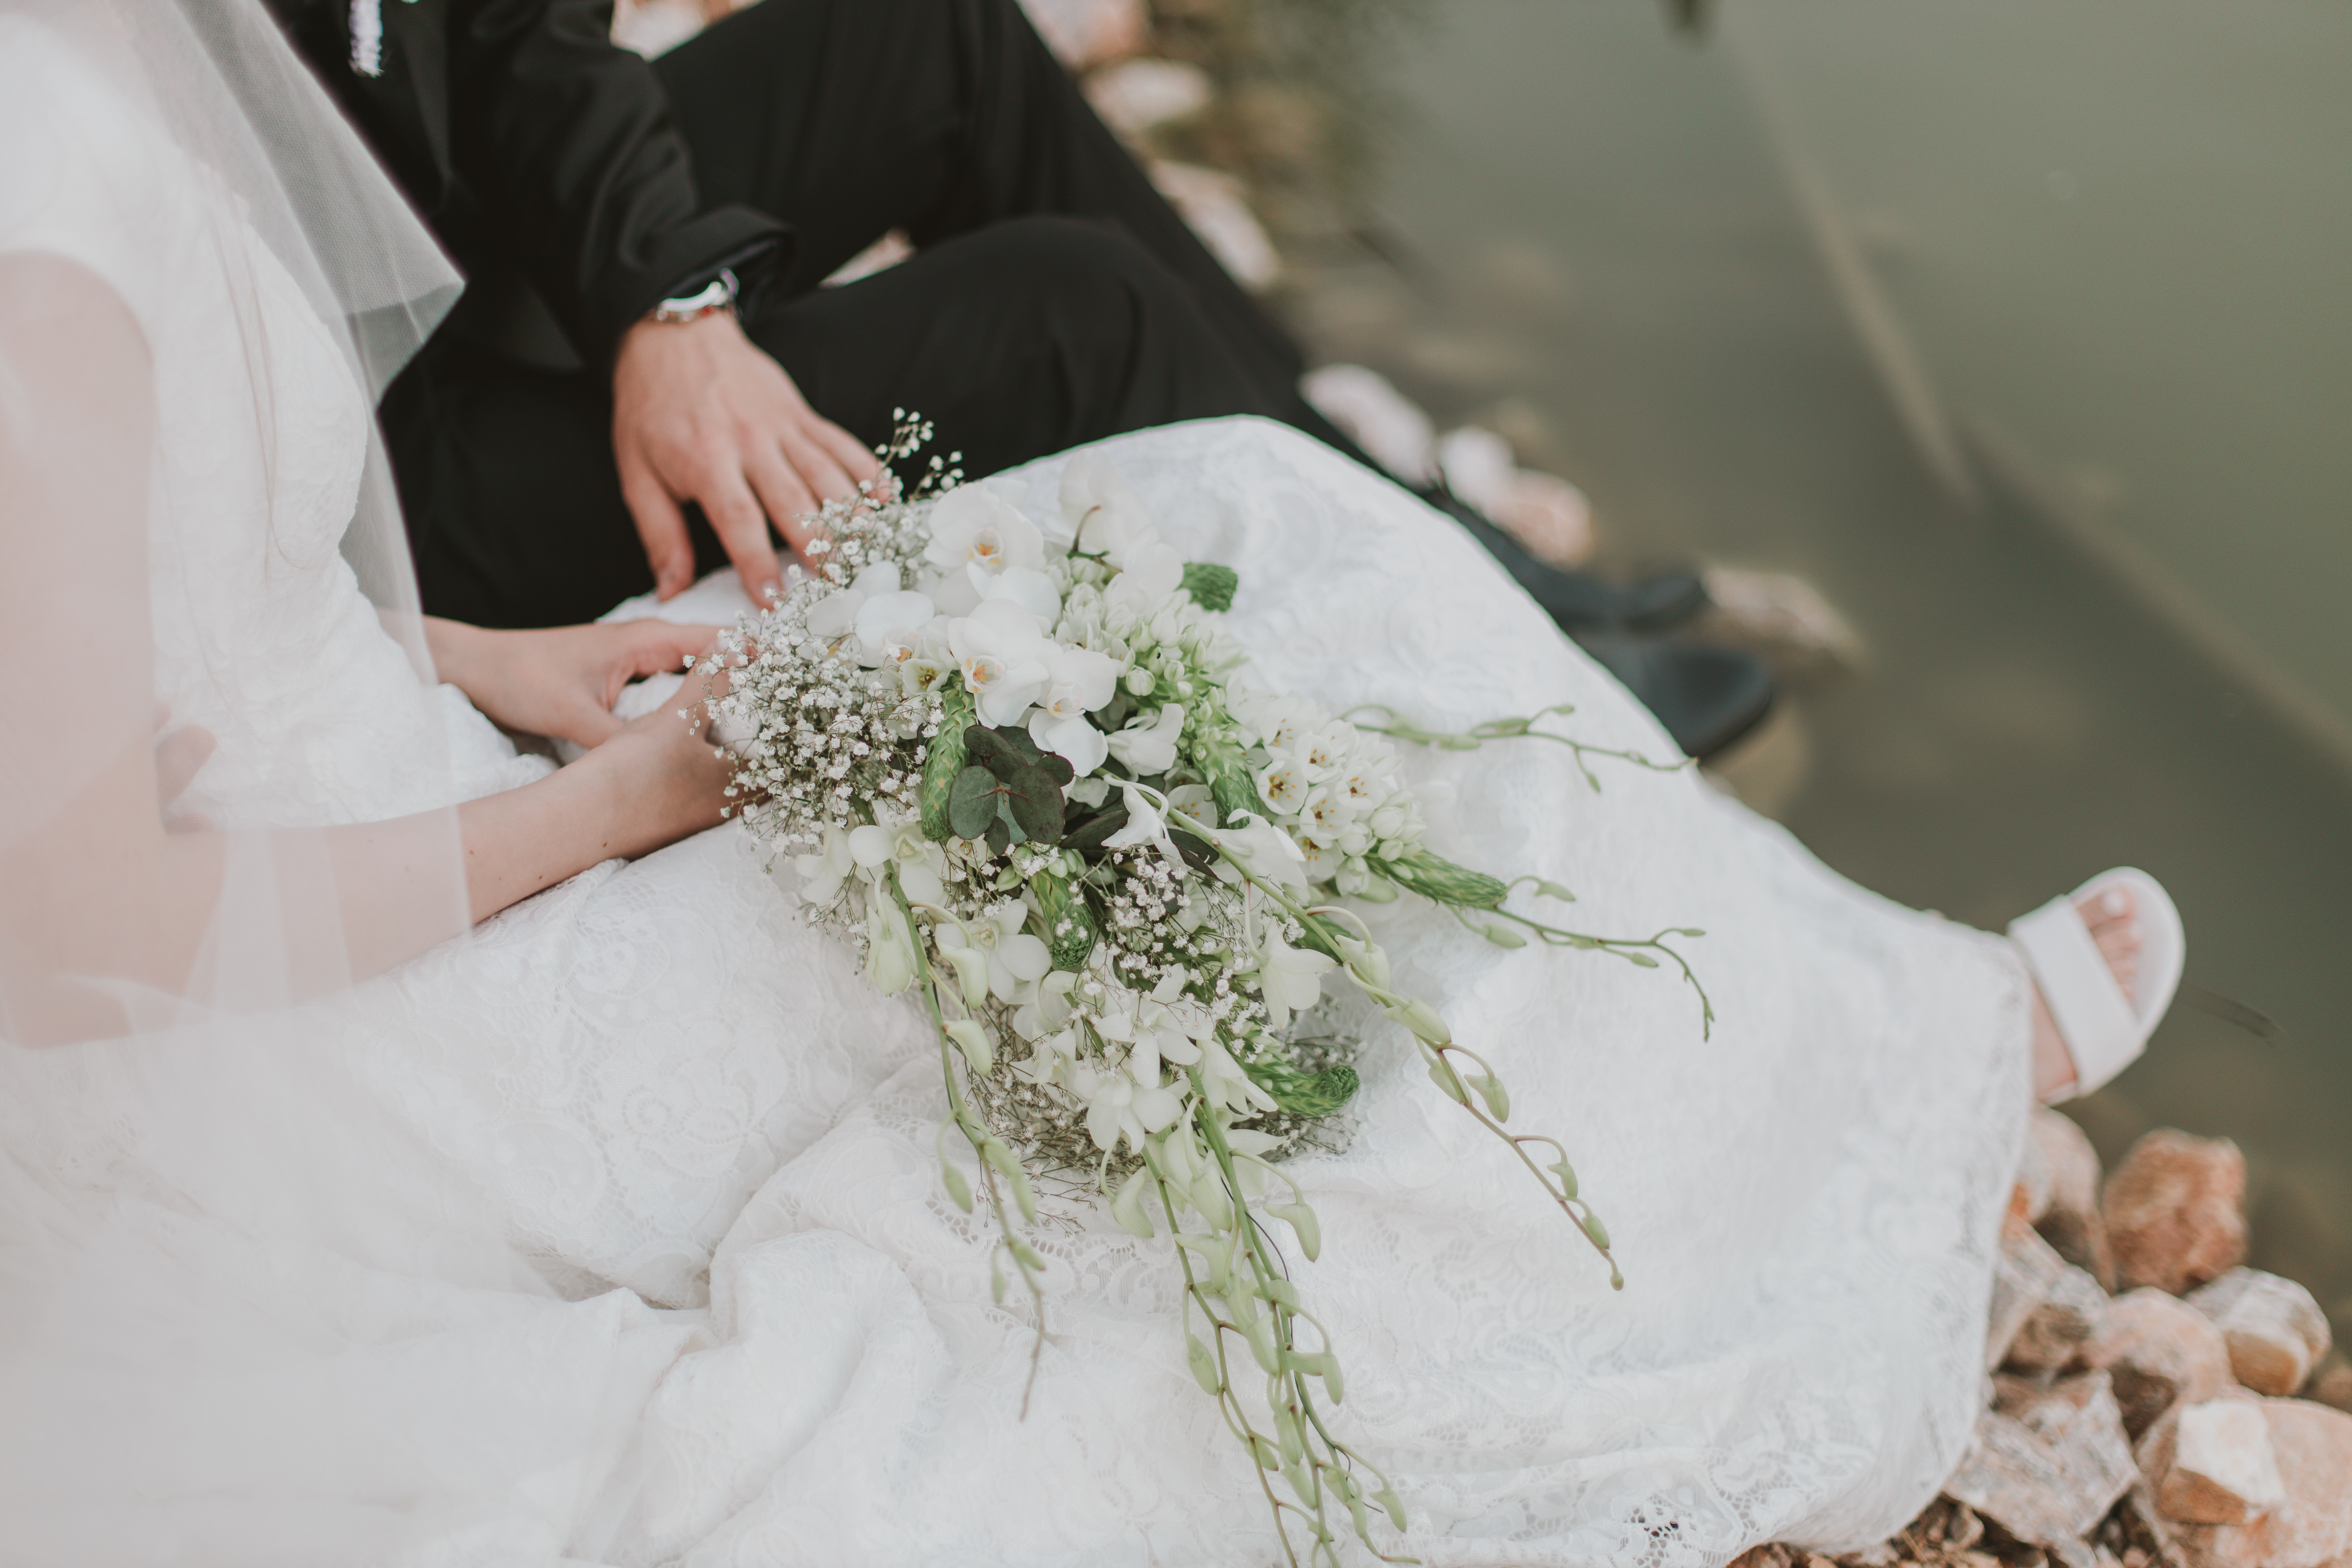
column 972, row 802
column 1034, row 798
column 1007, row 750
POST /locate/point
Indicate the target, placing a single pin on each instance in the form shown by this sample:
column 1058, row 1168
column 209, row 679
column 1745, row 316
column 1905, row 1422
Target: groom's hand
column 701, row 413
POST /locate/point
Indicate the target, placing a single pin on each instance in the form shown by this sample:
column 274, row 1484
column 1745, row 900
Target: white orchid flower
column 1225, row 1084
column 1073, row 740
column 976, row 525
column 823, row 871
column 890, row 626
column 1263, row 850
column 1080, row 681
column 1089, row 484
column 1148, row 746
column 890, row 957
column 1118, row 1106
column 1002, row 655
column 1144, row 824
column 1049, row 1056
column 1024, row 585
column 1290, row 978
column 837, row 612
column 1148, row 580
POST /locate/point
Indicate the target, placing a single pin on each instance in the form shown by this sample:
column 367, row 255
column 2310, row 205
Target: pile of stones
column 2149, row 1400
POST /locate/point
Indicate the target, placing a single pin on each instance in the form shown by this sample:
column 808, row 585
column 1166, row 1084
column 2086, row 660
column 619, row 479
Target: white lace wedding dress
column 613, row 1231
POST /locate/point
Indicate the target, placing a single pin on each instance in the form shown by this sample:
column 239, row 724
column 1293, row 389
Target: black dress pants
column 1055, row 297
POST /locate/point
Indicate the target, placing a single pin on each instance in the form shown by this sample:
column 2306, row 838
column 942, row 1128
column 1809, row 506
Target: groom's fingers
column 661, row 526
column 740, row 523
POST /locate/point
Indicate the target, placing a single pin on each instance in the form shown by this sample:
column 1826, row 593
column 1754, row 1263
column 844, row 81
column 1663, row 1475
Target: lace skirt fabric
column 649, row 1137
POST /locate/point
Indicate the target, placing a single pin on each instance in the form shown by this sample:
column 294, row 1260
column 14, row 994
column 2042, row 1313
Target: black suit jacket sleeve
column 569, row 139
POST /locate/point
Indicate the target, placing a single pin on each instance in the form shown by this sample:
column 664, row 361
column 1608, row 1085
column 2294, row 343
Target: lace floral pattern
column 612, row 1231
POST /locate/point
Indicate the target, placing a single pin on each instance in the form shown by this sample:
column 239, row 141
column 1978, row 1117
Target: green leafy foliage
column 944, row 760
column 1009, row 791
column 1210, row 584
column 1434, row 876
column 1304, row 1094
column 1069, row 924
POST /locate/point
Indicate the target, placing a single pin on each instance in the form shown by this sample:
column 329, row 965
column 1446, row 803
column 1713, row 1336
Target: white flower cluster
column 1027, row 784
column 1335, row 789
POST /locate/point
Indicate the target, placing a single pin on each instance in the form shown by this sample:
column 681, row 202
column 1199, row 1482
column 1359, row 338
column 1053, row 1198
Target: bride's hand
column 561, row 681
column 672, row 778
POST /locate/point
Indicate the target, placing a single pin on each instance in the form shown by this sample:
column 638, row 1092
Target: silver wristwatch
column 717, row 295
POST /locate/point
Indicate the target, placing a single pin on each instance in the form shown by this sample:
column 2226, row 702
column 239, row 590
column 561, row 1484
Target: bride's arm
column 91, row 883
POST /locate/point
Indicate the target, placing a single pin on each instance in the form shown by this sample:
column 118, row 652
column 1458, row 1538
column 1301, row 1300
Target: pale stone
column 2332, row 1383
column 2049, row 1474
column 2275, row 1331
column 2174, row 1210
column 2069, row 1218
column 1211, row 204
column 2311, row 1526
column 2160, row 1351
column 2053, row 1332
column 1389, row 426
column 1551, row 517
column 1135, row 95
column 2223, row 1468
column 2024, row 1276
column 1781, row 616
column 1477, row 467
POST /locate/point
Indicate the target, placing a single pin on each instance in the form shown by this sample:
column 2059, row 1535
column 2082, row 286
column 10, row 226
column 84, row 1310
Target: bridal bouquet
column 1019, row 768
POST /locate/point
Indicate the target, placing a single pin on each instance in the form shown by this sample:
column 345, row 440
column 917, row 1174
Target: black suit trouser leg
column 1055, row 297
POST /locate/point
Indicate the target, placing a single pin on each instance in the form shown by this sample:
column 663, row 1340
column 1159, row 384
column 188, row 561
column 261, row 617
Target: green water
column 1591, row 244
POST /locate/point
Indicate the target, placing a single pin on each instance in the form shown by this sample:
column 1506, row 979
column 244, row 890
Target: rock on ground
column 2275, row 1331
column 2219, row 1466
column 2160, row 1351
column 2024, row 1277
column 2068, row 1214
column 2174, row 1210
column 2311, row 1525
column 2048, row 1469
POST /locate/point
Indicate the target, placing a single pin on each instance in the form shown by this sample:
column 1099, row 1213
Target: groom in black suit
column 642, row 373
column 644, row 380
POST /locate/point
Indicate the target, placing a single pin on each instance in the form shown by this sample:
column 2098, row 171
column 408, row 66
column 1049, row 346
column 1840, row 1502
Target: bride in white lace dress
column 610, row 1230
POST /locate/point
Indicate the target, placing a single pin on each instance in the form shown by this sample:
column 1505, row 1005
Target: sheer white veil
column 240, row 1315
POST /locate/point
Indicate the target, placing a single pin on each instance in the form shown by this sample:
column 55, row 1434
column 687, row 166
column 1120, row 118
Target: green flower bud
column 1286, row 1432
column 1497, row 1098
column 1203, row 1364
column 1392, row 1505
column 1567, row 1175
column 959, row 1190
column 972, row 1040
column 1139, row 682
column 1596, row 1231
column 1302, row 1220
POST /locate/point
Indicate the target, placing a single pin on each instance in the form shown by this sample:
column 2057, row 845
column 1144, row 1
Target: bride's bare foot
column 2113, row 918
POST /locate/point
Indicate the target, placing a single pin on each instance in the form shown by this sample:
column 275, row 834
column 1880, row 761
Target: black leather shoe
column 1578, row 602
column 1705, row 697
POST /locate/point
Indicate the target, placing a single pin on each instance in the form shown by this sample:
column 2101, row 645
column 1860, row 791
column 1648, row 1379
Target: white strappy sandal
column 2104, row 1031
